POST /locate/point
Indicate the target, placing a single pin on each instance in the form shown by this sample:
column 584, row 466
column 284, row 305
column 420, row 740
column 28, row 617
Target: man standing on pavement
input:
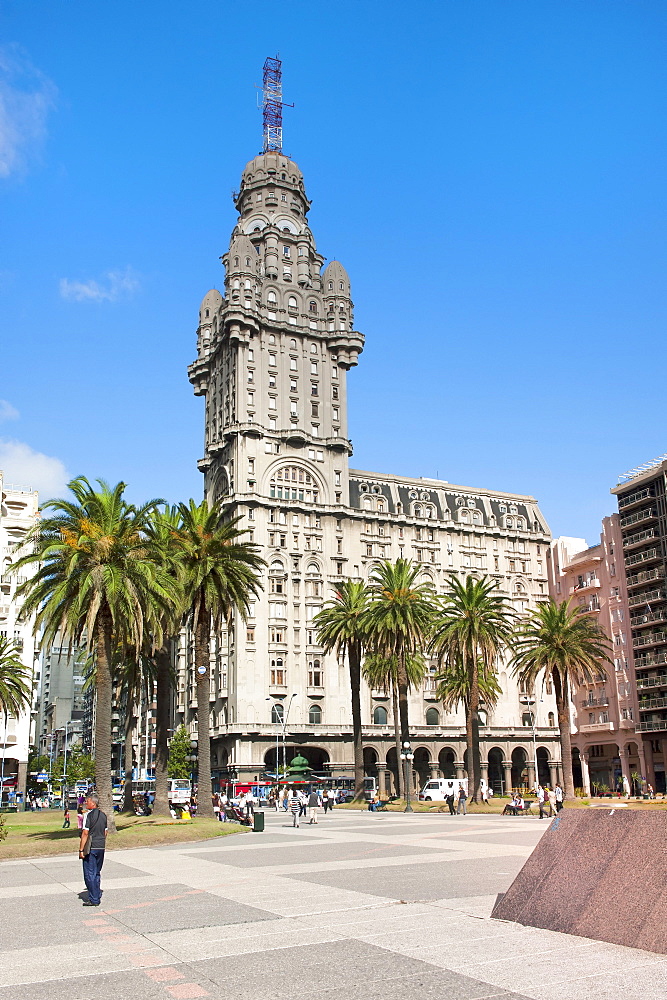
column 91, row 848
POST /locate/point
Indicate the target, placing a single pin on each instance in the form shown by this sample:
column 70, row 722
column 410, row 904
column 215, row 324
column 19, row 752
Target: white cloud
column 24, row 466
column 116, row 285
column 7, row 411
column 26, row 97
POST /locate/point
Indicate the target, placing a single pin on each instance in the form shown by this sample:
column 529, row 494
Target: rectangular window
column 320, row 455
column 276, row 635
column 250, row 634
column 335, row 413
column 313, row 367
column 334, row 392
column 334, row 371
column 277, row 677
column 315, row 430
column 272, row 424
column 251, row 465
column 292, row 364
column 285, row 251
column 314, row 409
column 272, row 359
column 251, row 375
column 251, row 354
column 251, row 399
column 337, row 478
column 310, row 637
column 369, row 550
column 292, row 407
column 276, row 586
column 272, row 381
column 283, row 541
column 314, row 390
column 272, row 402
column 339, row 546
column 293, row 386
column 315, row 676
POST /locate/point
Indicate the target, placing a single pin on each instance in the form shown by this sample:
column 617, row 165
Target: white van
column 437, row 789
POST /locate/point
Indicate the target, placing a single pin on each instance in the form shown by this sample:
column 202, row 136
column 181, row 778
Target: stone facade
column 18, row 512
column 273, row 356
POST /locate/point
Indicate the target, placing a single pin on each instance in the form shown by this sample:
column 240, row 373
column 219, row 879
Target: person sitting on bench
column 514, row 807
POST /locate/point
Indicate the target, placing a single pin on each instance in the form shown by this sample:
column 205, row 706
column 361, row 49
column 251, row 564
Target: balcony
column 634, row 498
column 651, row 703
column 646, row 576
column 597, row 727
column 639, row 537
column 642, row 557
column 591, row 584
column 660, row 725
column 650, row 660
column 638, row 518
column 636, row 621
column 650, row 598
column 601, row 701
column 654, row 639
column 660, row 680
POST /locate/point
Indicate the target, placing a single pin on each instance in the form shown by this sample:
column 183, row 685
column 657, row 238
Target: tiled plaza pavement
column 384, row 907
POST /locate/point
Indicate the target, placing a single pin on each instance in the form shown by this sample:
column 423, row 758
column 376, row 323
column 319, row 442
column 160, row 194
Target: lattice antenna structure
column 272, row 105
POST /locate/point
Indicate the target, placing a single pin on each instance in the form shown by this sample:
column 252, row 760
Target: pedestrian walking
column 79, row 816
column 540, row 800
column 449, row 799
column 559, row 797
column 463, row 799
column 91, row 848
column 313, row 806
column 282, row 799
column 331, row 795
column 295, row 807
column 325, row 802
column 552, row 801
column 303, row 802
column 66, row 818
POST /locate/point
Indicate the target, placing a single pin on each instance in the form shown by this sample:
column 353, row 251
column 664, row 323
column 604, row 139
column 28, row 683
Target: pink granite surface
column 598, row 873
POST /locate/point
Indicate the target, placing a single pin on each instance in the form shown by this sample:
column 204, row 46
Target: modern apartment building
column 274, row 348
column 642, row 508
column 18, row 512
column 604, row 746
column 62, row 698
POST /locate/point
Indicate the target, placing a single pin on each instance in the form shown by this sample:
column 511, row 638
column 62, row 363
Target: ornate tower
column 274, row 352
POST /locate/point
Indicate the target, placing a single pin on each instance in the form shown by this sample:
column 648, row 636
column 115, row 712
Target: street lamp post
column 289, row 705
column 407, row 757
column 192, row 758
column 527, row 700
column 278, row 724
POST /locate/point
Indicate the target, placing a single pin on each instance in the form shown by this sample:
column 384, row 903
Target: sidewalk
column 364, row 905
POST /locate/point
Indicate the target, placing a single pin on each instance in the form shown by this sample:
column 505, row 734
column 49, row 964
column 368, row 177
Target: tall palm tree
column 220, row 575
column 473, row 627
column 135, row 681
column 398, row 622
column 340, row 627
column 96, row 576
column 15, row 689
column 381, row 674
column 163, row 530
column 453, row 689
column 566, row 642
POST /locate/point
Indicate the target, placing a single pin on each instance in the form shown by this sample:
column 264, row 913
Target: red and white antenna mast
column 272, row 105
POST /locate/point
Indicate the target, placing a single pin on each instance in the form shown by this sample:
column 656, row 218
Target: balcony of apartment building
column 655, row 681
column 645, row 576
column 599, row 700
column 585, row 584
column 639, row 517
column 648, row 617
column 640, row 538
column 653, row 554
column 648, row 598
column 654, row 659
column 649, row 639
column 652, row 725
column 639, row 496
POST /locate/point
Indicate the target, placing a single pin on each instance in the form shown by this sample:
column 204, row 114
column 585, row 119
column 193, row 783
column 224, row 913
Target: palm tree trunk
column 563, row 708
column 128, row 803
column 103, row 690
column 354, row 661
column 202, row 658
column 397, row 739
column 472, row 733
column 162, row 718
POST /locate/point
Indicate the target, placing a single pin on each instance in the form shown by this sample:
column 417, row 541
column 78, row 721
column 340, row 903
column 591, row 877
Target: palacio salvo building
column 274, row 352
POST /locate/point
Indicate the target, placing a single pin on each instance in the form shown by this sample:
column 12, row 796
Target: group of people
column 300, row 803
column 547, row 798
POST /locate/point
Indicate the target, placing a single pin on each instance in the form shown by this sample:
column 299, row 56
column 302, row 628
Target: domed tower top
column 209, row 306
column 271, row 182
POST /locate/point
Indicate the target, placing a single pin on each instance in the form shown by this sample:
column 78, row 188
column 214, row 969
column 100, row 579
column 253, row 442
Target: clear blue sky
column 491, row 174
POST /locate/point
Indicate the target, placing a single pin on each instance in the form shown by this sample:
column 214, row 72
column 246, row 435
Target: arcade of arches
column 599, row 768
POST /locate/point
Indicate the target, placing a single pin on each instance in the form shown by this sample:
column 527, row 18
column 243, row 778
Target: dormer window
column 247, row 262
column 341, row 286
column 236, row 262
column 331, row 286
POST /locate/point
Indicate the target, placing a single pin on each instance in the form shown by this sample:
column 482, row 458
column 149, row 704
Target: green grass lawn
column 40, row 834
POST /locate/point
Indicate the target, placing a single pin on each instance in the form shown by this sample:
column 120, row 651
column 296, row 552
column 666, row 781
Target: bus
column 179, row 791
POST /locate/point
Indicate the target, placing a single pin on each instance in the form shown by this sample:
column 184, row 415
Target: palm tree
column 163, row 530
column 15, row 689
column 473, row 627
column 135, row 681
column 96, row 576
column 453, row 689
column 220, row 575
column 381, row 674
column 398, row 622
column 340, row 627
column 566, row 642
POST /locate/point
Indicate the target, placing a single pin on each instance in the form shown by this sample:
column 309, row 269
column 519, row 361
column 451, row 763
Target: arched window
column 463, row 514
column 276, row 566
column 418, row 510
column 291, row 482
column 432, row 717
column 313, row 568
column 292, row 345
column 313, row 348
column 314, row 715
column 381, row 506
column 271, row 297
column 519, row 523
column 368, row 503
column 552, row 721
column 277, row 712
column 509, row 522
column 236, row 262
column 312, row 306
column 380, row 716
column 291, row 304
column 476, row 517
